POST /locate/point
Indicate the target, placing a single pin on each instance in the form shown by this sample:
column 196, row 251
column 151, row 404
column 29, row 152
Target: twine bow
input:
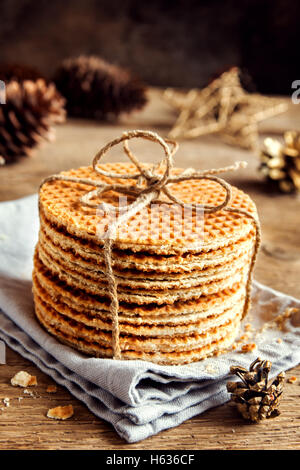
column 149, row 186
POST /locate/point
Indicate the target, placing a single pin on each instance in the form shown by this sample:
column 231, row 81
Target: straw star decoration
column 223, row 108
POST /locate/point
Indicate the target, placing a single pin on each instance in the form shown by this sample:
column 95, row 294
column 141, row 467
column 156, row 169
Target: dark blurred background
column 166, row 43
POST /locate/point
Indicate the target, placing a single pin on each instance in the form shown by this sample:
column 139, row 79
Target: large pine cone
column 96, row 89
column 25, row 119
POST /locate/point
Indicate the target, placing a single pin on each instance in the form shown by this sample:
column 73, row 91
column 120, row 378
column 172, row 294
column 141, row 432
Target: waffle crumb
column 248, row 327
column 29, row 392
column 279, row 340
column 6, row 401
column 51, row 389
column 23, row 379
column 61, row 412
column 280, row 320
column 248, row 347
column 244, row 337
column 292, row 379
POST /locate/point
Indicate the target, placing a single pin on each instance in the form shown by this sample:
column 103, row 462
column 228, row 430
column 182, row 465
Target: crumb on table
column 61, row 412
column 248, row 347
column 6, row 401
column 291, row 380
column 23, row 379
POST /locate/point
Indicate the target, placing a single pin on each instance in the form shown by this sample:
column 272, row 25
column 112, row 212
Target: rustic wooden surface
column 24, row 424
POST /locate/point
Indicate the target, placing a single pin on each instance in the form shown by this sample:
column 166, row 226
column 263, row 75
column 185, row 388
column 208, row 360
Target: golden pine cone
column 280, row 162
column 25, row 119
column 253, row 396
column 96, row 89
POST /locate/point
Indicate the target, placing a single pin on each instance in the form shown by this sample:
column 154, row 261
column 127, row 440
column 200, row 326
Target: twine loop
column 149, row 183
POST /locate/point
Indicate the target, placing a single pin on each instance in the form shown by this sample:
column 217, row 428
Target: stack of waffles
column 181, row 277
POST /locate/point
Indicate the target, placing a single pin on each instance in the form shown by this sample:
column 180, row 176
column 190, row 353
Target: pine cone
column 18, row 72
column 96, row 89
column 253, row 397
column 26, row 117
column 281, row 163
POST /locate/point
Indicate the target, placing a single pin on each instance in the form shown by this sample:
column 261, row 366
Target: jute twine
column 149, row 186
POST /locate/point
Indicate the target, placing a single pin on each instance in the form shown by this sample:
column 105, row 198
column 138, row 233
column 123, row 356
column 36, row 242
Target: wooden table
column 24, row 425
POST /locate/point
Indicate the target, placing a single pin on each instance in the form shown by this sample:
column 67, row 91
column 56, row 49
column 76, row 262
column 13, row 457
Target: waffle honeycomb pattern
column 156, row 225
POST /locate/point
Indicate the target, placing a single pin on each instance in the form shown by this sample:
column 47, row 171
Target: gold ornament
column 280, row 163
column 223, row 108
column 254, row 398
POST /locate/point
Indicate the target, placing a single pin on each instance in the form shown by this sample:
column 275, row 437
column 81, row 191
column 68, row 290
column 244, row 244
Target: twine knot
column 150, row 184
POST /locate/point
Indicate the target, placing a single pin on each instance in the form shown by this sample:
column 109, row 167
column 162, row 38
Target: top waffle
column 160, row 228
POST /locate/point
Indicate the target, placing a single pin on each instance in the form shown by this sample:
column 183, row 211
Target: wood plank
column 24, row 424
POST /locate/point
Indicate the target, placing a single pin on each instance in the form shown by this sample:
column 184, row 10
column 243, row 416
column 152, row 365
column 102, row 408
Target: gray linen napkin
column 138, row 398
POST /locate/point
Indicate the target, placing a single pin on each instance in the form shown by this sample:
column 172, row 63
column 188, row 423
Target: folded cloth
column 138, row 398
